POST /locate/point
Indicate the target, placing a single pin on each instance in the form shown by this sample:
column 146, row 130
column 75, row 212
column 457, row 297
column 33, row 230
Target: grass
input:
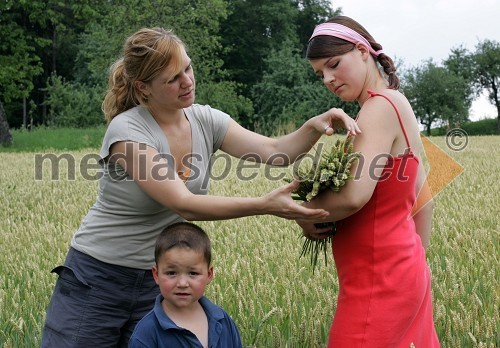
column 274, row 297
column 481, row 127
column 58, row 139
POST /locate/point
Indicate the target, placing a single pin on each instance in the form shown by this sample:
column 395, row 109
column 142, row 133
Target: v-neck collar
column 162, row 137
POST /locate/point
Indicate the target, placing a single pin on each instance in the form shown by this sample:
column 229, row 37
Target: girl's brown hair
column 324, row 46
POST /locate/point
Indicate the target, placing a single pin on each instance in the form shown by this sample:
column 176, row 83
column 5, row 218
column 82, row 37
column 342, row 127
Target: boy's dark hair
column 183, row 235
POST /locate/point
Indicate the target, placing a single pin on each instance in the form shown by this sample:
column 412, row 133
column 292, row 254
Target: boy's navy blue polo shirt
column 156, row 329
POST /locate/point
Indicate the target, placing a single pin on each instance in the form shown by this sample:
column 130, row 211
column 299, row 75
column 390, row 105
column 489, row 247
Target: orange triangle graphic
column 442, row 171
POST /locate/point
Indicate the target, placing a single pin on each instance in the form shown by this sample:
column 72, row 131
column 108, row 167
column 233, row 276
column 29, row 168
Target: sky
column 417, row 30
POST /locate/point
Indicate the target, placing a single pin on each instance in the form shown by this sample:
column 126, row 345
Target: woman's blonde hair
column 145, row 55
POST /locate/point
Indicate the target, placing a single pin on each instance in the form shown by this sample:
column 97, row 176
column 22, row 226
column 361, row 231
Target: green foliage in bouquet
column 331, row 172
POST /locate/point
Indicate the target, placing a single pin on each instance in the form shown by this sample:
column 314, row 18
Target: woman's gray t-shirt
column 122, row 226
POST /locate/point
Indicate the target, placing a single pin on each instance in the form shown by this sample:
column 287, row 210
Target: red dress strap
column 373, row 94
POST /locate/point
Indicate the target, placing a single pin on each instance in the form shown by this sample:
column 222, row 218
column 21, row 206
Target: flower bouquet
column 331, row 172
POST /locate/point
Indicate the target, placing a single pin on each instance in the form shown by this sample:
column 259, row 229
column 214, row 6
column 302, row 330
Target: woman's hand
column 280, row 203
column 333, row 119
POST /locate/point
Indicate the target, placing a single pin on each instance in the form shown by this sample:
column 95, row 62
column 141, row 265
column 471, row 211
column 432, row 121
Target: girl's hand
column 280, row 203
column 333, row 119
column 312, row 231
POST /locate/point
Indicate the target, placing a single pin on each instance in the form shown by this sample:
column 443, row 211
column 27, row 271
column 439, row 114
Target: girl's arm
column 423, row 209
column 380, row 128
column 240, row 142
column 173, row 194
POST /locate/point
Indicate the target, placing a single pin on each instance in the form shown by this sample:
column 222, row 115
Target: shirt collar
column 212, row 311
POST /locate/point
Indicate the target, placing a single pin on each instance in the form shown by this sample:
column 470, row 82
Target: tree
column 437, row 95
column 461, row 63
column 5, row 136
column 38, row 38
column 248, row 34
column 196, row 22
column 19, row 59
column 198, row 27
column 255, row 28
column 290, row 93
column 310, row 14
column 487, row 71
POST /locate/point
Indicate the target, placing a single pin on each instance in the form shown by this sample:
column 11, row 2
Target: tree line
column 248, row 57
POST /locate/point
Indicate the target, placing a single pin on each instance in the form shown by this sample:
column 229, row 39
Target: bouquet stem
column 316, row 247
column 331, row 172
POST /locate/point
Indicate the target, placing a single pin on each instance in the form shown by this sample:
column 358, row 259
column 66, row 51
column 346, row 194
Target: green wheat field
column 274, row 297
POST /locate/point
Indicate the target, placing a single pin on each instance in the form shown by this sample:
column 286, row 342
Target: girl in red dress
column 379, row 248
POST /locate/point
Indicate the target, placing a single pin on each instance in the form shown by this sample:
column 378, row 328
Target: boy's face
column 182, row 275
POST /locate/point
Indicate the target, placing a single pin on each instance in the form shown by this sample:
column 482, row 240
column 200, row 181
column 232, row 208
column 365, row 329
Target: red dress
column 385, row 290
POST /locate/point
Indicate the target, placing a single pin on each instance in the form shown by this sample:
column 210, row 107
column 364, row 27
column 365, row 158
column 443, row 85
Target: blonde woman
column 156, row 165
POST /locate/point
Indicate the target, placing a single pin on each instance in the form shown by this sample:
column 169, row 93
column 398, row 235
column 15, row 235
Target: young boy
column 182, row 316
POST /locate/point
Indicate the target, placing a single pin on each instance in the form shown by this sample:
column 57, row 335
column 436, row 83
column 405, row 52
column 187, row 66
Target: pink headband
column 344, row 33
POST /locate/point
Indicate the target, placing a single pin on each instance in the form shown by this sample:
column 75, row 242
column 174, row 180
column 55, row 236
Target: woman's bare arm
column 240, row 142
column 171, row 191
